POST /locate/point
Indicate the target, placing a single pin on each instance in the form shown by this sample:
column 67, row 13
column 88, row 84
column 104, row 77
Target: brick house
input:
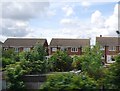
column 109, row 47
column 71, row 46
column 24, row 44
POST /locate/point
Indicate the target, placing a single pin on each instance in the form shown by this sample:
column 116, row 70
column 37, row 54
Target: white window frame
column 16, row 49
column 74, row 49
column 109, row 59
column 26, row 49
column 102, row 47
column 54, row 49
column 112, row 48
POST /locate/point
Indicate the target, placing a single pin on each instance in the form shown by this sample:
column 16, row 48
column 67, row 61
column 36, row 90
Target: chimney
column 100, row 35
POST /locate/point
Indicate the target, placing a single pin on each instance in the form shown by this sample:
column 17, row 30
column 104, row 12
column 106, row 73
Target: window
column 110, row 59
column 112, row 48
column 102, row 48
column 74, row 49
column 26, row 49
column 63, row 49
column 16, row 49
column 54, row 49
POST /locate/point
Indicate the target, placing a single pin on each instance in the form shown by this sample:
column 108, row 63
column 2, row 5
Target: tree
column 34, row 61
column 13, row 77
column 68, row 81
column 9, row 57
column 112, row 80
column 91, row 62
column 60, row 61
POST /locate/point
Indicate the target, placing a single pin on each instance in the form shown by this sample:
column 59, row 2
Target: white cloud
column 67, row 21
column 85, row 4
column 97, row 19
column 16, row 17
column 23, row 10
column 112, row 22
column 68, row 10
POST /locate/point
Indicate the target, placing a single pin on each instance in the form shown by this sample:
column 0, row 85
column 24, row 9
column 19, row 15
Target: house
column 1, row 44
column 24, row 44
column 71, row 46
column 109, row 46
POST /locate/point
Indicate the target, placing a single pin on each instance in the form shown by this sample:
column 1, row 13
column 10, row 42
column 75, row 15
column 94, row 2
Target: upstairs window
column 112, row 48
column 74, row 49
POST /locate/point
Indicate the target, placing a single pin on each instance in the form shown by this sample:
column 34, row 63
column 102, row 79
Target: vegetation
column 60, row 62
column 93, row 75
column 68, row 81
column 112, row 79
column 29, row 63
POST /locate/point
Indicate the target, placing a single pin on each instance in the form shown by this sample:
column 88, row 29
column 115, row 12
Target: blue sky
column 59, row 19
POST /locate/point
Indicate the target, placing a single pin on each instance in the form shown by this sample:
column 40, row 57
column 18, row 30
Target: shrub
column 68, row 81
column 60, row 61
column 13, row 77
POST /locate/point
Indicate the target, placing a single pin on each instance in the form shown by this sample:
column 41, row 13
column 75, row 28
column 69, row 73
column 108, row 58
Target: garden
column 68, row 73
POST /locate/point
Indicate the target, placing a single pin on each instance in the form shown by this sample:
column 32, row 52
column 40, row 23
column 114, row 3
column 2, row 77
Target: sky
column 49, row 20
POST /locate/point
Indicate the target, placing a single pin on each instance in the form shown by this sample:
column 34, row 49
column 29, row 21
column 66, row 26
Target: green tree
column 13, row 77
column 91, row 62
column 34, row 61
column 112, row 80
column 60, row 61
column 8, row 57
column 68, row 81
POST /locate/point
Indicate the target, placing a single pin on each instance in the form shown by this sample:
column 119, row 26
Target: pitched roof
column 23, row 42
column 69, row 42
column 107, row 41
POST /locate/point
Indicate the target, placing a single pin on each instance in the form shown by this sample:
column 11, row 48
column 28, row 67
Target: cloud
column 23, row 10
column 68, row 10
column 14, row 28
column 69, row 22
column 97, row 19
column 16, row 17
column 85, row 4
column 112, row 21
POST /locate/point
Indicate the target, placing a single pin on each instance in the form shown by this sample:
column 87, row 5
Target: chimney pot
column 100, row 35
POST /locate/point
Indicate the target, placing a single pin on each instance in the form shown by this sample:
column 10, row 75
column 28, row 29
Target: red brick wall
column 107, row 52
column 68, row 51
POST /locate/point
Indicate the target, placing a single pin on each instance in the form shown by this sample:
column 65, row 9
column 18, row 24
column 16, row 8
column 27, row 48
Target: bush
column 14, row 72
column 60, row 61
column 112, row 79
column 6, row 61
column 77, row 62
column 68, row 81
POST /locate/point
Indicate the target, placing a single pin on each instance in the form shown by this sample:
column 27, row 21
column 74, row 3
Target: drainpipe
column 118, row 32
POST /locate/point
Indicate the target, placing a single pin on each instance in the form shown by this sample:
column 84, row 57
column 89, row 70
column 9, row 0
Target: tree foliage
column 30, row 63
column 68, row 81
column 60, row 61
column 112, row 79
